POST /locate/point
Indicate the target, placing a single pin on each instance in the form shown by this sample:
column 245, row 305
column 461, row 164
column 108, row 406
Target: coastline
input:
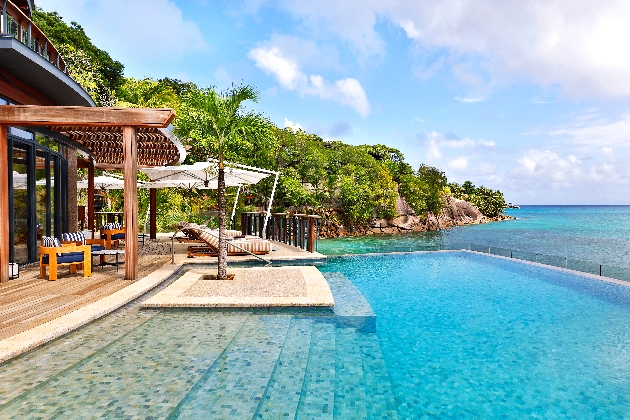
column 455, row 213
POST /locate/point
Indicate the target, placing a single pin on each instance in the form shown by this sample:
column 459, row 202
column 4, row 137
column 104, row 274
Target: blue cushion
column 118, row 236
column 67, row 257
column 97, row 248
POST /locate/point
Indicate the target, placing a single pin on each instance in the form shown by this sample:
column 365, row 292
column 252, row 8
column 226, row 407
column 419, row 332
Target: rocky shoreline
column 455, row 213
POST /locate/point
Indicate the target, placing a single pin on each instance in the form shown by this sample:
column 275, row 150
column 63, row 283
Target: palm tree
column 214, row 122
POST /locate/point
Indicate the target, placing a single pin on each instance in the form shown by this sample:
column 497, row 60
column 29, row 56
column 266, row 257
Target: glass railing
column 604, row 270
column 14, row 22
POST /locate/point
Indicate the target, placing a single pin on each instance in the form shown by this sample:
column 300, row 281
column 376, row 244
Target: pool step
column 381, row 402
column 134, row 375
column 317, row 398
column 284, row 389
column 234, row 385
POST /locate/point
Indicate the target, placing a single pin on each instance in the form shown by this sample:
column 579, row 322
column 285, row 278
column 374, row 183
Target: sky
column 528, row 97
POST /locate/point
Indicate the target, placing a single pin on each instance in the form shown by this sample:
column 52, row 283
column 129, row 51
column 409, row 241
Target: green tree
column 147, row 93
column 216, row 123
column 109, row 71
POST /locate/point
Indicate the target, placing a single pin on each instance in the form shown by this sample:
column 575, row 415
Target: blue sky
column 525, row 96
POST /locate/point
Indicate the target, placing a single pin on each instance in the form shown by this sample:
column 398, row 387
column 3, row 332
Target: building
column 42, row 163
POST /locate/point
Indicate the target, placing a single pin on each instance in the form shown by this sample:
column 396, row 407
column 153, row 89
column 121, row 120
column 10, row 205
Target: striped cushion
column 254, row 246
column 111, row 226
column 50, row 242
column 73, row 237
column 251, row 245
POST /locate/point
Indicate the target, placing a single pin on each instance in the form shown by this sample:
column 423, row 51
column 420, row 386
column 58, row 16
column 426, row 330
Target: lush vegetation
column 350, row 183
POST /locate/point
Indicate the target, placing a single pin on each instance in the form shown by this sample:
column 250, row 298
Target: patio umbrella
column 204, row 175
column 105, row 182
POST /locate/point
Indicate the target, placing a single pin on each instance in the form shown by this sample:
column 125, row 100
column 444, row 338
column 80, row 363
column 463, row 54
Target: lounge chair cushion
column 97, row 248
column 68, row 257
column 50, row 242
column 111, row 226
column 73, row 237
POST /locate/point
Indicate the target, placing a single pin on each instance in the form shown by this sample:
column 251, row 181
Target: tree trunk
column 222, row 269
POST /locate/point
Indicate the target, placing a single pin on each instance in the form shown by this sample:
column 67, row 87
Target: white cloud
column 487, row 143
column 345, row 91
column 579, row 45
column 459, row 164
column 293, row 126
column 161, row 35
column 593, row 132
column 470, row 100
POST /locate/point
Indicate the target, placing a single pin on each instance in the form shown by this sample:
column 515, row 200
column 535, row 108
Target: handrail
column 30, row 35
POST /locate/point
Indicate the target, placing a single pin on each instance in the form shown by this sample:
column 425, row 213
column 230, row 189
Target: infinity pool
column 422, row 335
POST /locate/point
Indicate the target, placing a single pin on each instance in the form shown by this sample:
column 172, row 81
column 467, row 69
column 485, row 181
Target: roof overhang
column 99, row 131
column 32, row 69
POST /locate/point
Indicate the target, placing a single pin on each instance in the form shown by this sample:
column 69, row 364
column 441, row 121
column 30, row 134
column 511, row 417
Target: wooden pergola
column 115, row 137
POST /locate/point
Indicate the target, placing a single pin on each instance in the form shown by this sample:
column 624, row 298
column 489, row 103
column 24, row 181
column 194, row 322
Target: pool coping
column 318, row 293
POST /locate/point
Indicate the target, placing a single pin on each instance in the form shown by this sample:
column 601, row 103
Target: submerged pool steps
column 210, row 365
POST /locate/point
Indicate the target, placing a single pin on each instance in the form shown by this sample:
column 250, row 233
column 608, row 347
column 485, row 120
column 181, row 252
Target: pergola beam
column 78, row 116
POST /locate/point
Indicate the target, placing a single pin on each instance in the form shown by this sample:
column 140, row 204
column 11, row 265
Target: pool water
column 471, row 336
column 422, row 335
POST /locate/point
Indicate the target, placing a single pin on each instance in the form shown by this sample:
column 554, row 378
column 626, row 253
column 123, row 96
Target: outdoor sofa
column 53, row 254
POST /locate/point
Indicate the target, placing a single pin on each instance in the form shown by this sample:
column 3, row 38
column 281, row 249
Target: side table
column 104, row 253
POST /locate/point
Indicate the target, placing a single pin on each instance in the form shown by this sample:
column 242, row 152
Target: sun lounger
column 235, row 246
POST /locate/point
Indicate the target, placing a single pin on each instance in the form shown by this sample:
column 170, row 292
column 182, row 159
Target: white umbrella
column 206, row 172
column 105, row 182
column 205, row 175
column 211, row 185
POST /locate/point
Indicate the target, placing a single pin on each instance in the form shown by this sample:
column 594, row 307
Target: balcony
column 16, row 23
column 32, row 70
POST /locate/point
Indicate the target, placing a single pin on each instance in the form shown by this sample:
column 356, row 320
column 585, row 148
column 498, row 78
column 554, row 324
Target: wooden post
column 311, row 234
column 90, row 193
column 153, row 213
column 130, row 153
column 4, row 205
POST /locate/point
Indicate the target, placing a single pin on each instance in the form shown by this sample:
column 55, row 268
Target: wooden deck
column 29, row 301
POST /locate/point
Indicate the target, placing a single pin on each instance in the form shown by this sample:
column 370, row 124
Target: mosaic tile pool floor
column 455, row 335
column 138, row 364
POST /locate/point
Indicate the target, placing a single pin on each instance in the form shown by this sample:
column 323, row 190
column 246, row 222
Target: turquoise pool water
column 470, row 336
column 599, row 234
column 422, row 335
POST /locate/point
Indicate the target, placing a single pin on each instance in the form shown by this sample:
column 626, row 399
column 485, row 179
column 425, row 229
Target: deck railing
column 14, row 22
column 299, row 230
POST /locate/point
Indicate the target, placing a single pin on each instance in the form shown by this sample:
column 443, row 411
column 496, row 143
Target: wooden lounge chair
column 112, row 233
column 243, row 246
column 53, row 254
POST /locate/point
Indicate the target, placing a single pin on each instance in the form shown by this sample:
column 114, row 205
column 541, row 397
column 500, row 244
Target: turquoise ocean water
column 598, row 234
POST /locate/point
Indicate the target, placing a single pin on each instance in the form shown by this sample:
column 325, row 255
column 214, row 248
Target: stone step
column 317, row 397
column 234, row 385
column 283, row 392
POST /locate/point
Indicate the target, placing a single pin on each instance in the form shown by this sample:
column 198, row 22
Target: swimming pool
column 429, row 335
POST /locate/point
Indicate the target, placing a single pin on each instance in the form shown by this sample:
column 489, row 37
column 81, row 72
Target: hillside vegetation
column 359, row 182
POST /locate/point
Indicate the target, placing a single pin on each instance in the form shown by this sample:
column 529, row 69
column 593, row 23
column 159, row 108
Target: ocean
column 597, row 234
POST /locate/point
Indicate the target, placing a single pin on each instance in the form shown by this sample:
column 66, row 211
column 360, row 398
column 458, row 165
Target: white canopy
column 105, row 182
column 204, row 175
column 207, row 174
